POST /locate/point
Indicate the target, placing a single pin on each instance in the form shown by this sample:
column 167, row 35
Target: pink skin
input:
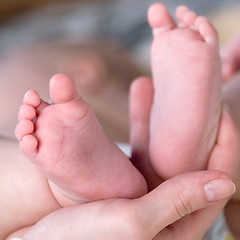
column 220, row 160
column 187, row 91
column 169, row 202
column 141, row 97
column 231, row 58
column 66, row 142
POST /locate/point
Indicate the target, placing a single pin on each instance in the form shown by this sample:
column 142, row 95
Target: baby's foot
column 187, row 81
column 65, row 141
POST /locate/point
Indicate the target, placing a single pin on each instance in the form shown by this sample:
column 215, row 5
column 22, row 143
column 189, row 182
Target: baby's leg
column 25, row 196
column 187, row 82
column 66, row 142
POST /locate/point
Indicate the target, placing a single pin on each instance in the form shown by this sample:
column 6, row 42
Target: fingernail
column 219, row 189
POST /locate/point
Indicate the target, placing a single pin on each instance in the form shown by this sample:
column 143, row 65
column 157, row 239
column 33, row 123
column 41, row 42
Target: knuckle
column 182, row 205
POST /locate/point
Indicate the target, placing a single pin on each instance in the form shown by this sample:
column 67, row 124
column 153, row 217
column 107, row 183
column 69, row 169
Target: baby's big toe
column 159, row 18
column 62, row 89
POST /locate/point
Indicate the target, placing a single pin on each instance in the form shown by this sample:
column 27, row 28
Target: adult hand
column 168, row 212
column 224, row 157
column 231, row 58
column 145, row 218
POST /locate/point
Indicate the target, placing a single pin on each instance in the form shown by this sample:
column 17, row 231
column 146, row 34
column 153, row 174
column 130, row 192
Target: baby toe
column 180, row 12
column 207, row 30
column 32, row 98
column 28, row 144
column 62, row 89
column 189, row 18
column 24, row 127
column 159, row 18
column 26, row 112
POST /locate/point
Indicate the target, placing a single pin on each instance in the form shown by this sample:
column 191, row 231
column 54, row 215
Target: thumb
column 180, row 196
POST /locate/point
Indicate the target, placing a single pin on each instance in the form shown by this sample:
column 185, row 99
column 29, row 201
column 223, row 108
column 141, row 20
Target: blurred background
column 120, row 20
column 114, row 41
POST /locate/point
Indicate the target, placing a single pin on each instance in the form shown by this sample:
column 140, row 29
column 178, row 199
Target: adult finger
column 230, row 58
column 180, row 196
column 225, row 155
column 225, row 158
column 140, row 101
column 141, row 98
